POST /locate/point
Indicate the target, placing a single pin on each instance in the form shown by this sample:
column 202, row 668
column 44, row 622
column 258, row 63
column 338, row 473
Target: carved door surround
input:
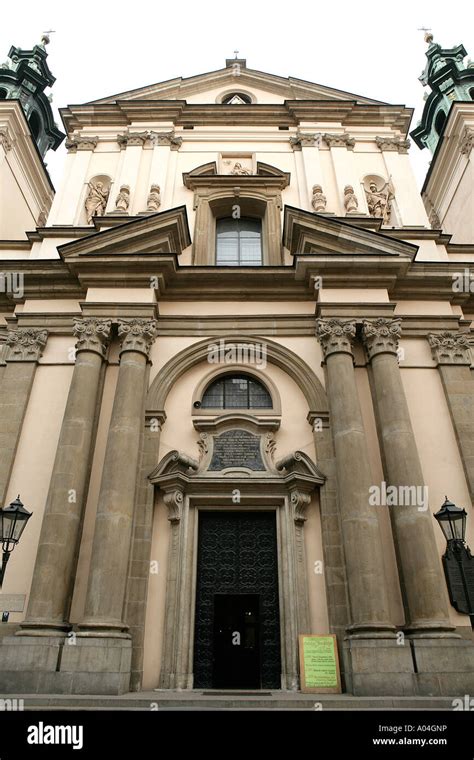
column 216, row 196
column 188, row 485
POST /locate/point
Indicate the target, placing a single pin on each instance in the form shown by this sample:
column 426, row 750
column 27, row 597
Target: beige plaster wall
column 437, row 447
column 33, row 464
column 459, row 217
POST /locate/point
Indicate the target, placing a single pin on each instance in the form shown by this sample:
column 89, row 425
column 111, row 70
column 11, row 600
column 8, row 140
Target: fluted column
column 25, row 346
column 421, row 578
column 361, row 535
column 452, row 353
column 113, row 528
column 53, row 577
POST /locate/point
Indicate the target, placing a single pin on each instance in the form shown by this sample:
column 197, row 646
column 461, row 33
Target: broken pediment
column 310, row 233
column 163, row 232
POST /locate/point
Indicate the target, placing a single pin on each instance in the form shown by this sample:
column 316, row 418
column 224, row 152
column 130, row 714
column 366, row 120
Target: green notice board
column 319, row 664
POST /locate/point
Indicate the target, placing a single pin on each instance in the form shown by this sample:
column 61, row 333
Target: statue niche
column 97, row 197
column 380, row 195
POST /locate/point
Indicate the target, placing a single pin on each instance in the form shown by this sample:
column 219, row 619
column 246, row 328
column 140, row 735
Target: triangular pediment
column 164, row 232
column 310, row 233
column 229, row 81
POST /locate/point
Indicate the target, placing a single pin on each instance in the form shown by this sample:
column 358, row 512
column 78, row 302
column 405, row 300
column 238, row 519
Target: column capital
column 5, row 140
column 381, row 336
column 392, row 143
column 81, row 142
column 26, row 344
column 305, row 140
column 137, row 335
column 343, row 140
column 92, row 334
column 335, row 335
column 450, row 347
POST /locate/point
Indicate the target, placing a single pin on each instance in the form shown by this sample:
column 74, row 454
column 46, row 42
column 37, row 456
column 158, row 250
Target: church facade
column 235, row 386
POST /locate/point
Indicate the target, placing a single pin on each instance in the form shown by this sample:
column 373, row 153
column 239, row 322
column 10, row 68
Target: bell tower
column 449, row 80
column 24, row 77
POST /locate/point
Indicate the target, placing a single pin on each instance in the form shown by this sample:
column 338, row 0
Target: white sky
column 369, row 48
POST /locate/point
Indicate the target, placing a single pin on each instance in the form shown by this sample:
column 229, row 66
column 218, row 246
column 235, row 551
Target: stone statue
column 351, row 204
column 318, row 200
column 154, row 199
column 122, row 200
column 380, row 201
column 239, row 169
column 96, row 200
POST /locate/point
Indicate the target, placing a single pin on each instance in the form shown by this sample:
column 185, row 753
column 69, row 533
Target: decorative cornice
column 174, row 500
column 137, row 335
column 335, row 335
column 305, row 140
column 299, row 503
column 73, row 144
column 149, row 138
column 381, row 336
column 466, row 141
column 92, row 334
column 339, row 141
column 450, row 348
column 393, row 143
column 26, row 344
column 5, row 140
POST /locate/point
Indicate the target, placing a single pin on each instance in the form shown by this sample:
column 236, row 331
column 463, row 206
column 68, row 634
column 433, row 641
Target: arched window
column 471, row 93
column 440, row 122
column 238, row 242
column 237, row 98
column 236, row 392
column 35, row 124
column 3, row 93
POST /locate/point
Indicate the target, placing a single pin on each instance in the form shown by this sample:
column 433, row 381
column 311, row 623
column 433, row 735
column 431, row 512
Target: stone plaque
column 12, row 602
column 237, row 448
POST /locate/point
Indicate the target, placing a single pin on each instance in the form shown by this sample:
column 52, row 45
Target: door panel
column 237, row 555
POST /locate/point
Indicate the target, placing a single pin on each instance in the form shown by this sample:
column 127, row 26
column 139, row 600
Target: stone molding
column 466, row 141
column 137, row 335
column 450, row 347
column 343, row 140
column 393, row 144
column 26, row 344
column 335, row 335
column 78, row 142
column 92, row 334
column 381, row 336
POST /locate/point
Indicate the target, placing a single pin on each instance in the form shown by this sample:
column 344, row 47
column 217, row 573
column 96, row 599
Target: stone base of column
column 444, row 667
column 380, row 667
column 55, row 665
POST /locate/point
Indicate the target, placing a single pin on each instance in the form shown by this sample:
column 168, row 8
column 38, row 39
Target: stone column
column 53, row 577
column 452, row 353
column 421, row 578
column 113, row 529
column 25, row 348
column 360, row 527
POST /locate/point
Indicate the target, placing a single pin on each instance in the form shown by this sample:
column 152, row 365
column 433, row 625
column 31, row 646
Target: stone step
column 208, row 700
